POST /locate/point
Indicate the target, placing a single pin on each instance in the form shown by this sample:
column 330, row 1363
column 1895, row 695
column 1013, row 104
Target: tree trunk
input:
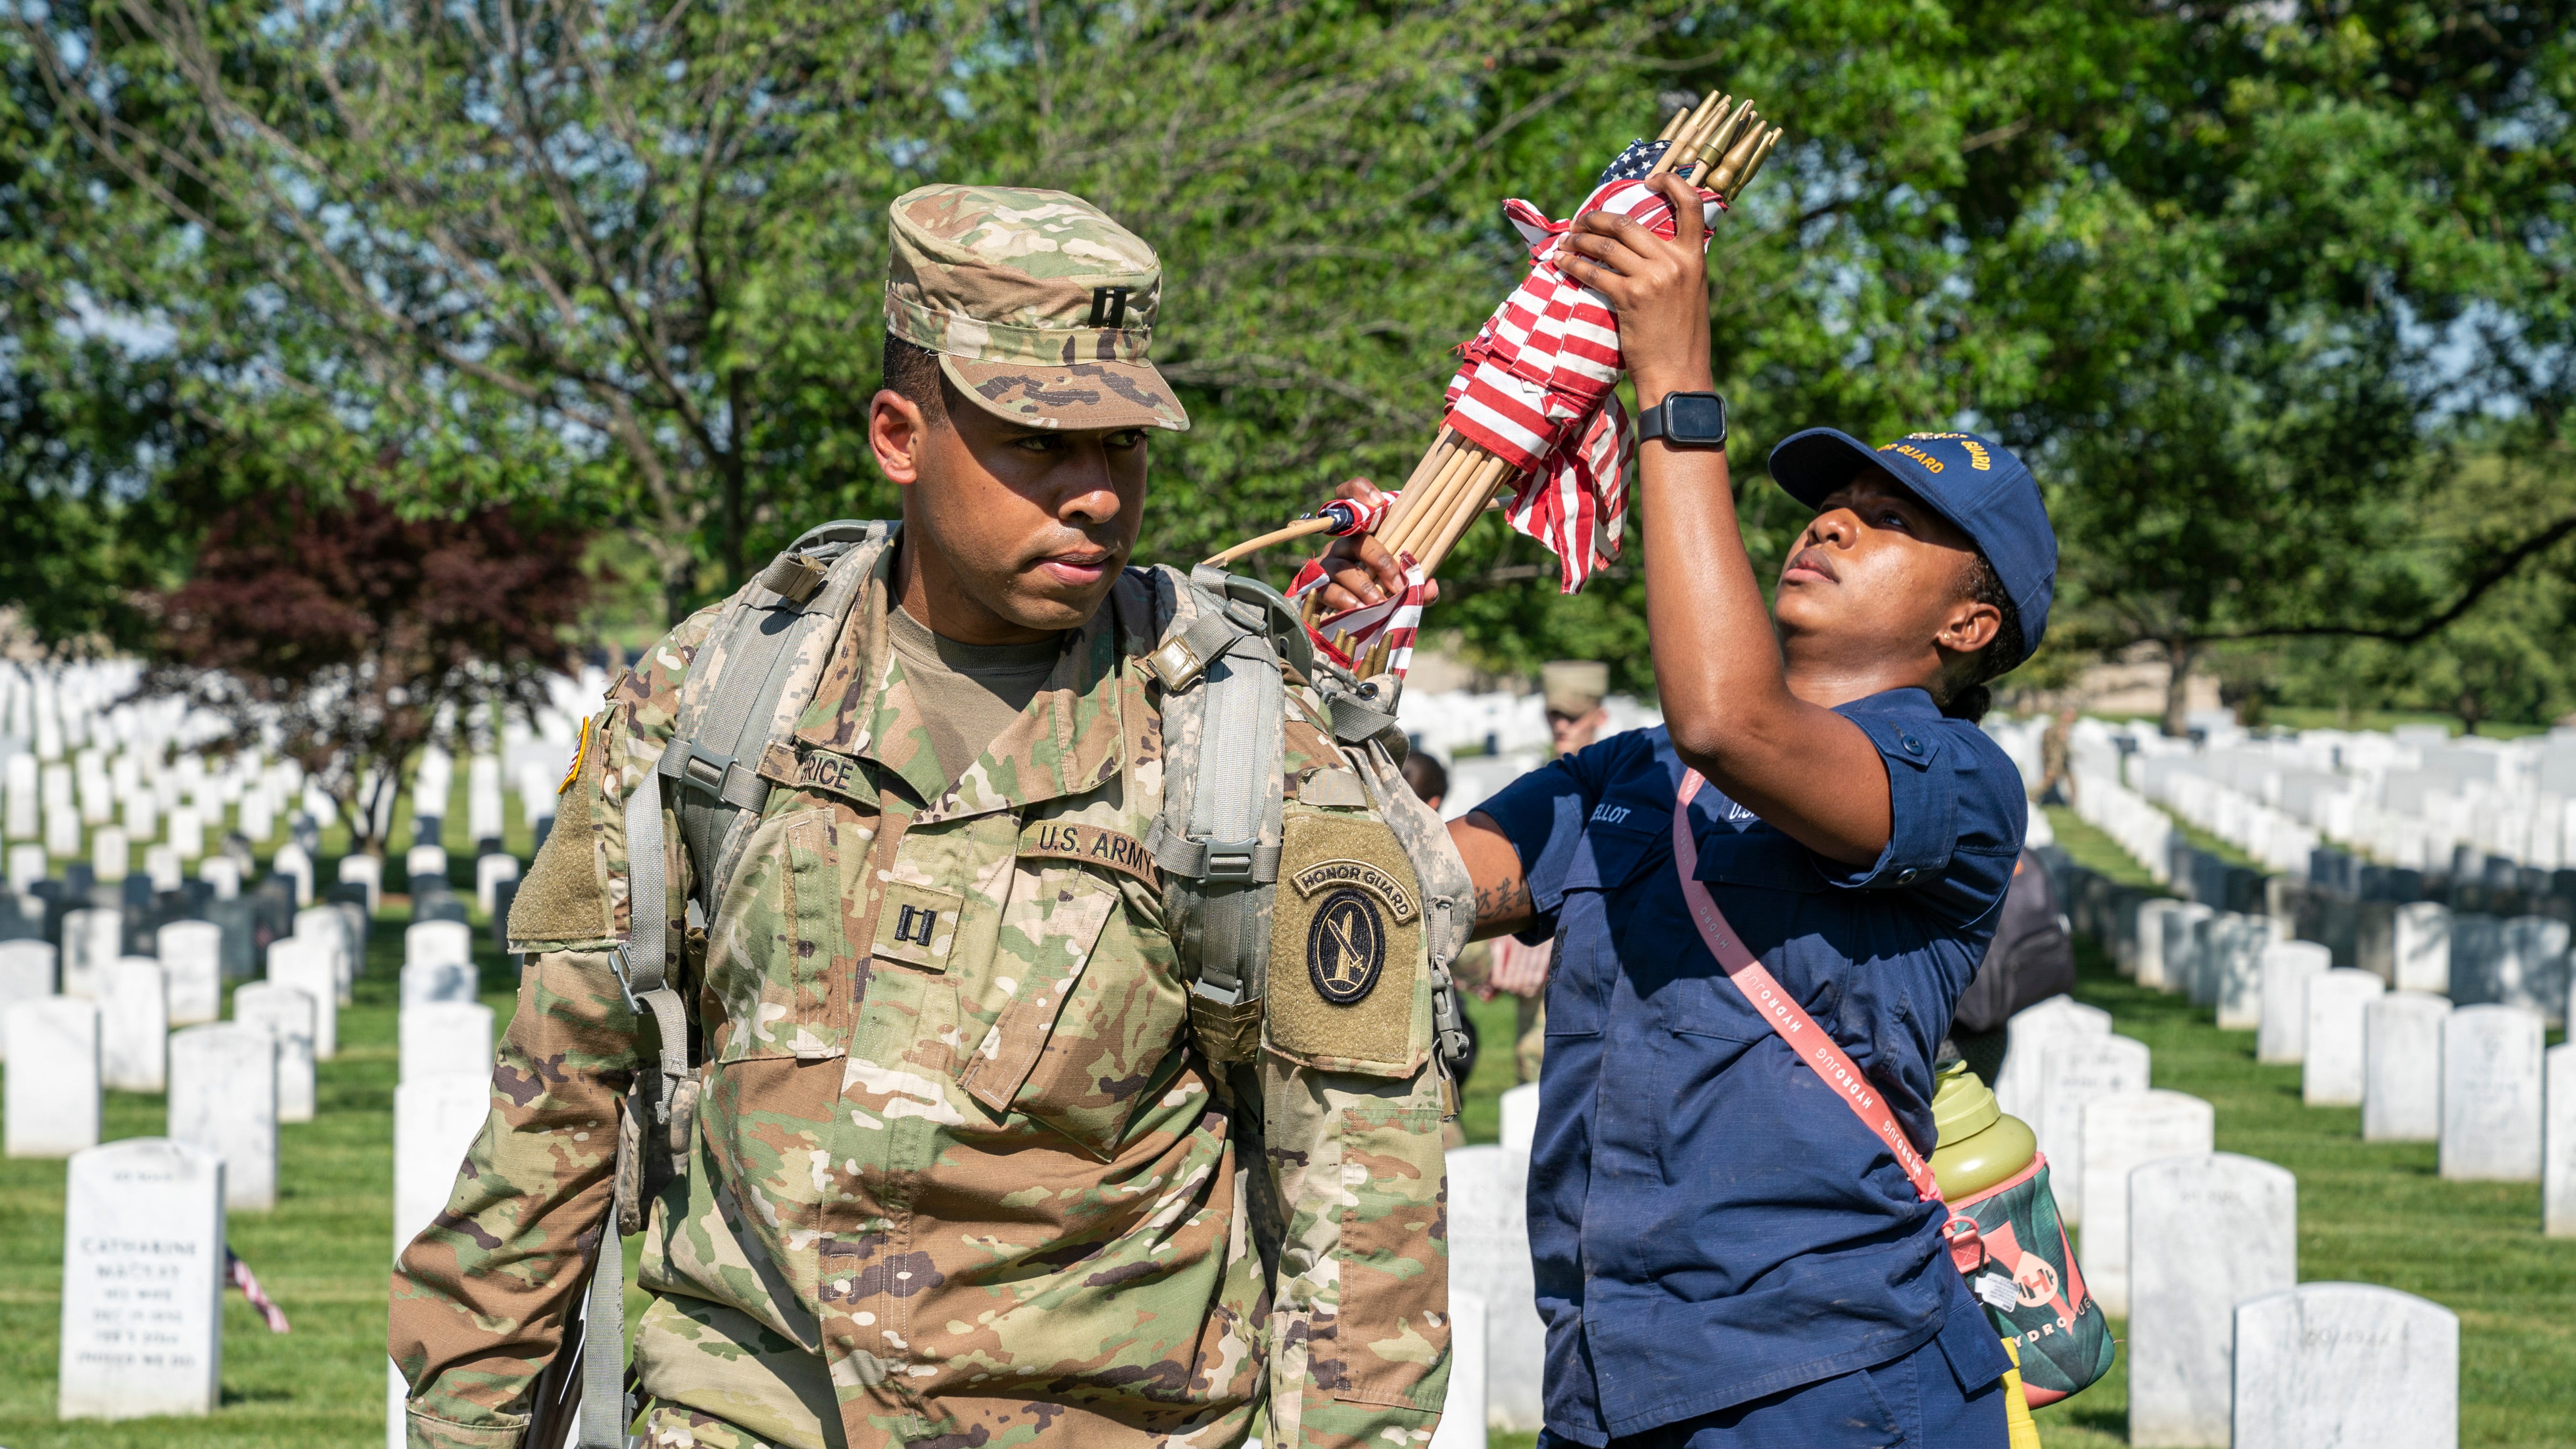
column 2178, row 655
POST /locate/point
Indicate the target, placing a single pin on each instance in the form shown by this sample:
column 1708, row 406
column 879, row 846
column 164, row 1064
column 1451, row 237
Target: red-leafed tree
column 341, row 633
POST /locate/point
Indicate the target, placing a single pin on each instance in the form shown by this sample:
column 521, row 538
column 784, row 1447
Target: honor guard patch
column 1089, row 845
column 1345, row 947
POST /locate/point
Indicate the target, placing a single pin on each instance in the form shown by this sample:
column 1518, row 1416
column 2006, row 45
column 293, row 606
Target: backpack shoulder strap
column 762, row 661
column 1217, row 839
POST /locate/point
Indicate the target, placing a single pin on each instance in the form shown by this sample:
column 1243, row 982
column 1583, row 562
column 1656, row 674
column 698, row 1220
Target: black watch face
column 1695, row 417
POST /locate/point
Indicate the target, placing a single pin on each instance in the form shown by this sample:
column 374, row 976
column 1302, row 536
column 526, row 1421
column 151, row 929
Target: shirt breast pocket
column 1061, row 1030
column 780, row 943
column 1760, row 878
column 1609, row 862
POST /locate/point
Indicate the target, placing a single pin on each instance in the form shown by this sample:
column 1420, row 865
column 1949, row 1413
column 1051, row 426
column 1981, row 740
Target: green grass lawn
column 2367, row 1213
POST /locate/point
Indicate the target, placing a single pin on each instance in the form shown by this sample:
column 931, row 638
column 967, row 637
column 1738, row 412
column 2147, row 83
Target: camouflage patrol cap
column 1040, row 307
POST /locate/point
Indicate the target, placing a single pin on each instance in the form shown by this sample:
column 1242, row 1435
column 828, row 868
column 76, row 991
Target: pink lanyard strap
column 1811, row 1042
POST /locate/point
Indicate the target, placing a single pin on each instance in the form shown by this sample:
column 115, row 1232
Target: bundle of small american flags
column 1534, row 409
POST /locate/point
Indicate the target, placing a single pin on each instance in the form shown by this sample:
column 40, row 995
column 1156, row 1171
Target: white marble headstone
column 438, row 943
column 2183, row 931
column 2491, row 1094
column 324, row 924
column 2401, row 1067
column 2239, row 993
column 291, row 861
column 368, row 871
column 2280, row 1037
column 223, row 873
column 2420, row 947
column 2019, row 1089
column 2558, row 1145
column 134, row 1025
column 2205, row 1233
column 2331, row 1075
column 440, row 1037
column 162, row 864
column 62, row 831
column 187, row 832
column 2075, row 1072
column 1462, row 1413
column 223, row 1099
column 2477, row 960
column 1519, row 1132
column 91, row 939
column 286, row 1014
column 192, row 954
column 26, row 972
column 143, row 1281
column 2150, row 953
column 53, row 1076
column 27, row 865
column 1489, row 1257
column 110, row 857
column 2346, row 1366
column 2121, row 1133
column 2531, row 967
column 489, row 871
column 310, row 964
column 435, row 1121
column 424, row 860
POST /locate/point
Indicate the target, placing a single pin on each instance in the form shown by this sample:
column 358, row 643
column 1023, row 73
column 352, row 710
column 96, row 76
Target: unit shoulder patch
column 1345, row 947
column 1089, row 845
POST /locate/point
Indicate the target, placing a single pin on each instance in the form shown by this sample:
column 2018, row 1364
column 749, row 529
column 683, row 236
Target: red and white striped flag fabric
column 1394, row 620
column 1537, row 388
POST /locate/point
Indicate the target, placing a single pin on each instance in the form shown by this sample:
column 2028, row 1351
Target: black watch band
column 1685, row 420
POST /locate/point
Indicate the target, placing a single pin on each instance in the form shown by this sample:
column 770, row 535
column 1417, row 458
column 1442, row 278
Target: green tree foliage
column 2234, row 280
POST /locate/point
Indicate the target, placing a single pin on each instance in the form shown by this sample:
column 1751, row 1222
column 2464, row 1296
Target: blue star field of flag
column 1633, row 163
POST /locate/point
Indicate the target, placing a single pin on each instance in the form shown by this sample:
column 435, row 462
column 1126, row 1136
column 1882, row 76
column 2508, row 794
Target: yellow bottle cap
column 1962, row 1107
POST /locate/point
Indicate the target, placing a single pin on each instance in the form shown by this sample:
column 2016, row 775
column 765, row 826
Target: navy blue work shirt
column 1709, row 1224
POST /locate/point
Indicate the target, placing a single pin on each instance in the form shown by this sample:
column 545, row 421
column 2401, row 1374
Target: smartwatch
column 1685, row 420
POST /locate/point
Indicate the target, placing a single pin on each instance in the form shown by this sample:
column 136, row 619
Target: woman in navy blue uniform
column 1725, row 1256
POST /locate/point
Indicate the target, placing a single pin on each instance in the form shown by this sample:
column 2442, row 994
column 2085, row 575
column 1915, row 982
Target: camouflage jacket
column 970, row 1182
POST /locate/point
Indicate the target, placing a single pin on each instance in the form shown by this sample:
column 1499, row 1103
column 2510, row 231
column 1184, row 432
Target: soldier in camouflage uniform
column 959, row 1174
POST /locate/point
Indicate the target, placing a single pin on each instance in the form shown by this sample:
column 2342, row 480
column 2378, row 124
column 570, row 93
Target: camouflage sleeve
column 1360, row 1299
column 1360, row 1304
column 481, row 1297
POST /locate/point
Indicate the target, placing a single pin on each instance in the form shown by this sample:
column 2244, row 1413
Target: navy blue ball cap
column 1974, row 483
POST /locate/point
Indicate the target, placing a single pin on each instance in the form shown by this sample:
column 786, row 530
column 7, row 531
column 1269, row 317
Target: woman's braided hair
column 1971, row 700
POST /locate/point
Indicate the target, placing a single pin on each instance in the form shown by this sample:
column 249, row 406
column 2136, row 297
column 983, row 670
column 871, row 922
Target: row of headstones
column 2197, row 1250
column 62, row 1049
column 2272, row 1361
column 2478, row 1079
column 134, row 1344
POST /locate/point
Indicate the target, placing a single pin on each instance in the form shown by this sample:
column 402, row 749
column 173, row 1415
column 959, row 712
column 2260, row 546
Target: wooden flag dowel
column 1722, row 136
column 1426, row 517
column 1429, row 464
column 1480, row 489
column 1422, row 498
column 1724, row 178
column 1299, row 529
column 1688, row 135
column 1760, row 155
column 1673, row 125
